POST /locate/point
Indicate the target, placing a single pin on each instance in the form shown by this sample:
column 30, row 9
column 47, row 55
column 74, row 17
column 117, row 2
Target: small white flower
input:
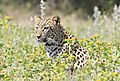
column 116, row 14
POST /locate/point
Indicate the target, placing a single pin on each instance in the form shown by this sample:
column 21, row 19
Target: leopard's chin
column 41, row 40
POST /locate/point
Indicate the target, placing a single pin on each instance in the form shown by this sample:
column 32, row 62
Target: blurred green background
column 66, row 6
column 23, row 9
column 76, row 15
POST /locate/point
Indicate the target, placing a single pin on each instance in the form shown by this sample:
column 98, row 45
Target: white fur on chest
column 52, row 48
column 51, row 51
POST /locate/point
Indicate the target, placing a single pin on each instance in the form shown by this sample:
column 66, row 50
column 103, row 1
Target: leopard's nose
column 38, row 36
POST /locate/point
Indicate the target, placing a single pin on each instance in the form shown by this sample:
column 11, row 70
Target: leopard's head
column 48, row 29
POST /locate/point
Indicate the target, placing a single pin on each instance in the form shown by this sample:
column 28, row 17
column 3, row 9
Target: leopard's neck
column 53, row 48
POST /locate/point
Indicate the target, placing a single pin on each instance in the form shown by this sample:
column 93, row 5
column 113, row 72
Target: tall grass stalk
column 116, row 20
column 42, row 8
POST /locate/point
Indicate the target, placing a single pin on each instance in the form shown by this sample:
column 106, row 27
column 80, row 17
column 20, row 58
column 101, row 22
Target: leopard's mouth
column 41, row 39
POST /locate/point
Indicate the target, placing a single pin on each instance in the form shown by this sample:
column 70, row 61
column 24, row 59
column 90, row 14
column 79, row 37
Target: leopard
column 56, row 40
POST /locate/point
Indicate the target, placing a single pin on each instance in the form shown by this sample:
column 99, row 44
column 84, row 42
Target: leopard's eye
column 46, row 27
column 36, row 27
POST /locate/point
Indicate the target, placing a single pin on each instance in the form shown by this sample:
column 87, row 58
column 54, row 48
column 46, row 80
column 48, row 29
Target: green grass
column 21, row 59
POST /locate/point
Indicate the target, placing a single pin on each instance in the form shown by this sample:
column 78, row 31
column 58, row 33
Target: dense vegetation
column 21, row 59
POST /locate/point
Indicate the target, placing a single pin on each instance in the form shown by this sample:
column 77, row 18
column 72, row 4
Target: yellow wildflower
column 85, row 39
column 49, row 59
column 81, row 40
column 102, row 48
column 106, row 79
column 98, row 80
column 35, row 54
column 72, row 38
column 6, row 26
column 91, row 42
column 96, row 36
column 7, row 17
column 114, row 74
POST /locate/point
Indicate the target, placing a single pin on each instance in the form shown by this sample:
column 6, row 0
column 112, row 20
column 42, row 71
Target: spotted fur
column 50, row 32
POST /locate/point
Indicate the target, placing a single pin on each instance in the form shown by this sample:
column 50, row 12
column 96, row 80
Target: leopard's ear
column 56, row 20
column 37, row 19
